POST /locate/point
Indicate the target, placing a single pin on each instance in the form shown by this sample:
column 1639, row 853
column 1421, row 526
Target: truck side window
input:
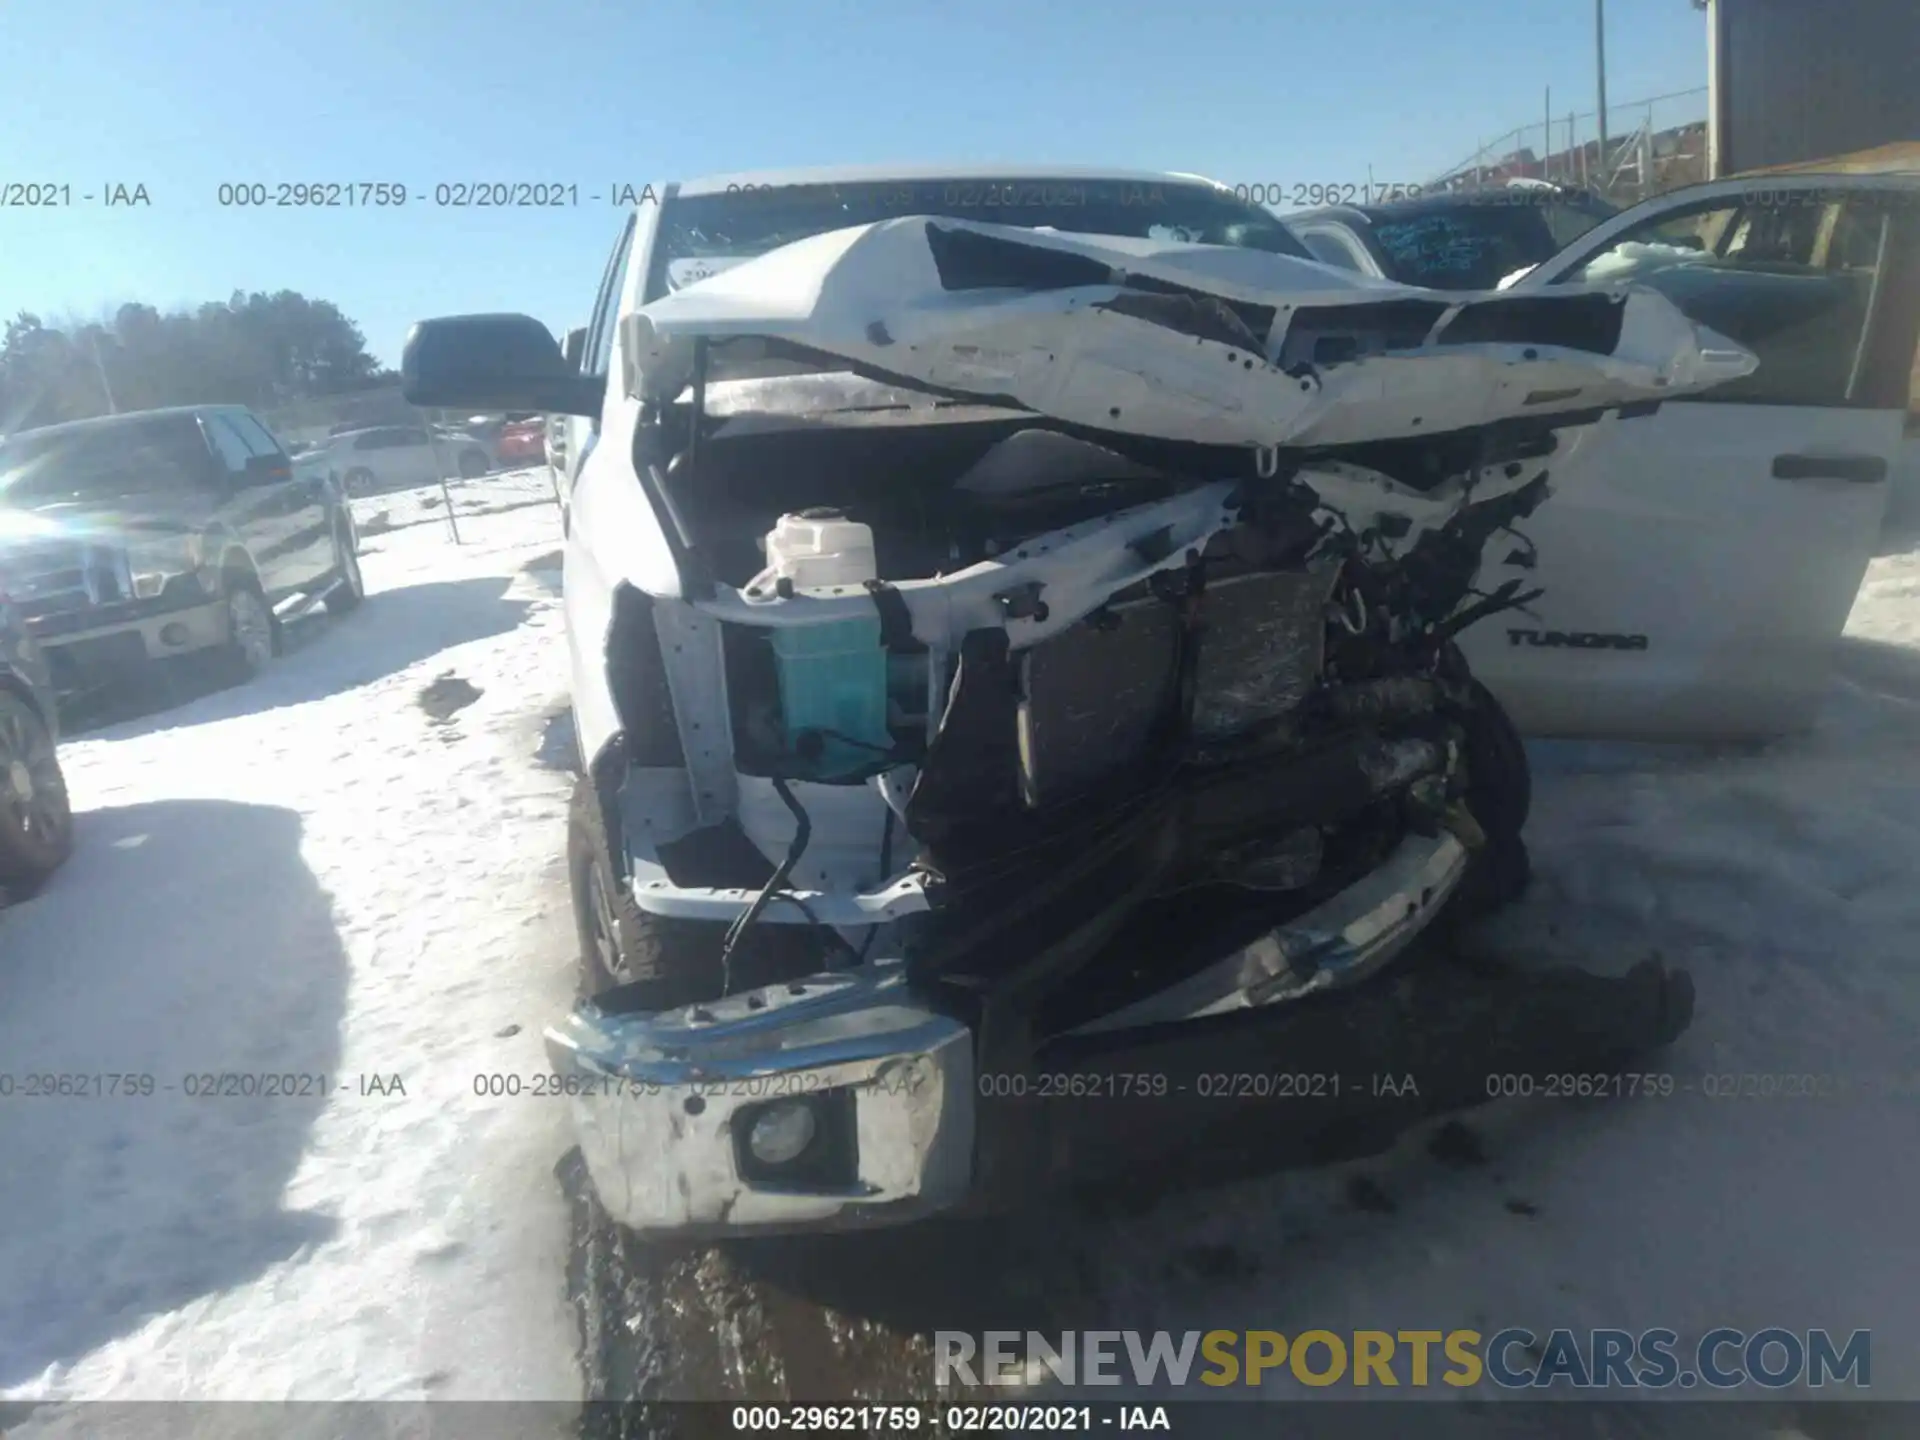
column 231, row 448
column 259, row 439
column 1753, row 272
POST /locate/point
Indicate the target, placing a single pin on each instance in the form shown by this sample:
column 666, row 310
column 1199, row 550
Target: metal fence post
column 440, row 466
column 453, row 522
column 1546, row 140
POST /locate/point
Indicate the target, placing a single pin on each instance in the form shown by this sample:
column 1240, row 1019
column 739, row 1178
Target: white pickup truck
column 1013, row 634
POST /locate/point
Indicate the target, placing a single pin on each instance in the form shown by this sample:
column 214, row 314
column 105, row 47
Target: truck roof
column 126, row 417
column 940, row 170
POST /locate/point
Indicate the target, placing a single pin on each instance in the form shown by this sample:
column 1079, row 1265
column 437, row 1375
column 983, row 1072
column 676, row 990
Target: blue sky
column 186, row 95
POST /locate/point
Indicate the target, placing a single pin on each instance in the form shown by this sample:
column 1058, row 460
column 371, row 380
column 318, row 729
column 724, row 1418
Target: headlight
column 154, row 562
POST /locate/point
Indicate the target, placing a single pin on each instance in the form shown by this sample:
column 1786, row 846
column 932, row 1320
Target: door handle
column 1855, row 469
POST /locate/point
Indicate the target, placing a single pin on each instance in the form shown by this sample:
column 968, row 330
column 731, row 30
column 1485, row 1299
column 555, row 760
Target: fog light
column 781, row 1133
column 173, row 633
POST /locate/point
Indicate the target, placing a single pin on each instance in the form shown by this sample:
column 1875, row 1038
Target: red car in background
column 522, row 442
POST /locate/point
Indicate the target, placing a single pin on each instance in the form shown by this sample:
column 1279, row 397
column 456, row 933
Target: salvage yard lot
column 314, row 876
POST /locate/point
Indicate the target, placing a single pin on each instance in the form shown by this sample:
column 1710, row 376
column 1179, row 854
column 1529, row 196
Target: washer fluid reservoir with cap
column 833, row 677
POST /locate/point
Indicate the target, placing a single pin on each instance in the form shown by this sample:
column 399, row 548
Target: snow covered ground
column 492, row 494
column 306, row 877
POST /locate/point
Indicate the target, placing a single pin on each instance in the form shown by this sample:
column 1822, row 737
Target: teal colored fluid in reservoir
column 834, row 677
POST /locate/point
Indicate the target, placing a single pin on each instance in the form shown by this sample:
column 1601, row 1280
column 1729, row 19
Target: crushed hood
column 1209, row 344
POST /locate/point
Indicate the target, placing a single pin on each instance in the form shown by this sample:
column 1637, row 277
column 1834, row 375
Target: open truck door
column 1697, row 565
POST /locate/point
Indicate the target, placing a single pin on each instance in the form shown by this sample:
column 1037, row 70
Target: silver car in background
column 399, row 457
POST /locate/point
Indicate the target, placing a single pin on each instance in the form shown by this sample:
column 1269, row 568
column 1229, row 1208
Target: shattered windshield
column 748, row 220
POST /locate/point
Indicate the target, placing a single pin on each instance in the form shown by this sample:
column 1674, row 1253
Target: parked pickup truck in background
column 134, row 539
column 36, row 818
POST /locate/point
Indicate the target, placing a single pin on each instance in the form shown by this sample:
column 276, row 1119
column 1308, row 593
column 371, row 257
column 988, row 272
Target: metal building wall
column 1798, row 80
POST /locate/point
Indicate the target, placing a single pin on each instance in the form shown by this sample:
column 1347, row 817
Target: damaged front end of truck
column 1054, row 735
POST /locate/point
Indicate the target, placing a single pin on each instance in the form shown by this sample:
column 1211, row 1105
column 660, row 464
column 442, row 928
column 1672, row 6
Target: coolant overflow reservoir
column 833, row 677
column 819, row 549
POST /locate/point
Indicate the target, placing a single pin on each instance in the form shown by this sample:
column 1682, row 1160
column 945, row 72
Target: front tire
column 652, row 961
column 252, row 633
column 1500, row 779
column 359, row 481
column 1500, row 795
column 634, row 962
column 36, row 818
column 473, row 464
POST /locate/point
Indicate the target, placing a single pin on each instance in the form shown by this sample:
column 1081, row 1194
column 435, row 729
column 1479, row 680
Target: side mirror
column 574, row 348
column 492, row 362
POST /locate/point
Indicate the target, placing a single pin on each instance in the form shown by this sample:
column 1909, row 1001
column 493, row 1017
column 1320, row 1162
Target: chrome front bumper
column 178, row 631
column 664, row 1103
column 1340, row 943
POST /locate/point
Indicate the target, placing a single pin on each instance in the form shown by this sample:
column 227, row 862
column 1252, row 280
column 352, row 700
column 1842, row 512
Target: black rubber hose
column 803, row 832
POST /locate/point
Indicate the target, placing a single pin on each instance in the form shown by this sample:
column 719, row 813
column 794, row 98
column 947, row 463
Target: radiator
column 1092, row 698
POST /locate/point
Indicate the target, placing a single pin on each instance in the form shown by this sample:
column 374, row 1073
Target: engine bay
column 1023, row 669
column 1286, row 584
